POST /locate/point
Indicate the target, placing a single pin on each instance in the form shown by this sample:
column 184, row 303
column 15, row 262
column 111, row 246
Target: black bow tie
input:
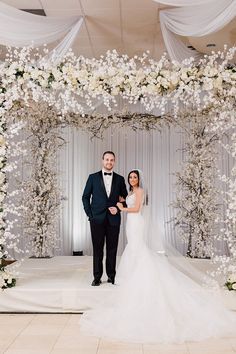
column 107, row 173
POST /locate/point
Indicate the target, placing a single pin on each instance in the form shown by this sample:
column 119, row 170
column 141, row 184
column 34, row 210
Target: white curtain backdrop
column 153, row 152
column 195, row 18
column 158, row 154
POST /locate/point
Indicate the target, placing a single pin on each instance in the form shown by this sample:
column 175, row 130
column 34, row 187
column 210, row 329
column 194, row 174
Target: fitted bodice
column 130, row 200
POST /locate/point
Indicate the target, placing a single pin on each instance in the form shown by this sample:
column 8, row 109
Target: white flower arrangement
column 6, row 279
column 196, row 197
column 224, row 124
column 231, row 282
column 135, row 79
column 207, row 85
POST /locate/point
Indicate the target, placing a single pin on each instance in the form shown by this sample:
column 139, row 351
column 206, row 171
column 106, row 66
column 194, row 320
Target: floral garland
column 150, row 82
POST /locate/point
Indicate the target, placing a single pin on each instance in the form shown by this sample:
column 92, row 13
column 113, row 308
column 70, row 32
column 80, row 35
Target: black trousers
column 102, row 233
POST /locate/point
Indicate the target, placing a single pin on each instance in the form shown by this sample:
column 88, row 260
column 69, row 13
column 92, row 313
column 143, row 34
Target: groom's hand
column 113, row 210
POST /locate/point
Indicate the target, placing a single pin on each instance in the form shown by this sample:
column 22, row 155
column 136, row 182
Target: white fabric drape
column 61, row 49
column 19, row 28
column 195, row 19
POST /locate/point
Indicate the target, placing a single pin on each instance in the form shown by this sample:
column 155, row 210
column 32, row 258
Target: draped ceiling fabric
column 193, row 18
column 21, row 29
column 184, row 2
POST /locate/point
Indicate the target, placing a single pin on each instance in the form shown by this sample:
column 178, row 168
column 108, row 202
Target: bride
column 155, row 301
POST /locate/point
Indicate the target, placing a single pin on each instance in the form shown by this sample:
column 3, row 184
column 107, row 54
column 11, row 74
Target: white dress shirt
column 107, row 181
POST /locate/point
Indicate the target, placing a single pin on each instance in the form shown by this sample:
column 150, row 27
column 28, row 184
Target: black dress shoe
column 96, row 282
column 111, row 280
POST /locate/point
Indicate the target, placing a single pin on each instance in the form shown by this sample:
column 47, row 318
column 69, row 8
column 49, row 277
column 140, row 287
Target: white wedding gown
column 153, row 301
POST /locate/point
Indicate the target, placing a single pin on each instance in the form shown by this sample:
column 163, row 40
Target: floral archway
column 39, row 96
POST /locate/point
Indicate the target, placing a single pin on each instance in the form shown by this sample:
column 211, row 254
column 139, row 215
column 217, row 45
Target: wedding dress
column 155, row 302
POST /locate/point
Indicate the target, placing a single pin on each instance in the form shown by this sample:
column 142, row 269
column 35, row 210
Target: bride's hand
column 121, row 199
column 120, row 206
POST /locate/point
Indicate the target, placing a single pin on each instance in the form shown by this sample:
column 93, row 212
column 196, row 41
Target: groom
column 101, row 193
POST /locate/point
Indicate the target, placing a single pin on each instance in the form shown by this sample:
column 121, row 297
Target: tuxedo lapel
column 102, row 183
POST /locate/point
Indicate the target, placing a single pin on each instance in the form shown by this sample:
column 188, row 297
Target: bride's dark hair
column 137, row 173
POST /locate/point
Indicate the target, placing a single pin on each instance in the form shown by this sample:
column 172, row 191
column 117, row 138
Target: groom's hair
column 108, row 152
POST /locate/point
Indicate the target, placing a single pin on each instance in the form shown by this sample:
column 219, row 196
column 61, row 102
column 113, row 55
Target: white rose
column 115, row 91
column 210, row 72
column 213, row 72
column 9, row 280
column 217, row 83
column 35, row 74
column 11, row 72
column 56, row 73
column 111, row 71
column 2, row 140
column 164, row 82
column 232, row 278
column 208, row 85
column 55, row 85
column 184, row 74
column 174, row 79
column 150, row 88
column 234, row 286
column 5, row 275
column 2, row 282
column 43, row 82
column 232, row 268
column 2, row 178
column 26, row 76
column 140, row 75
column 164, row 73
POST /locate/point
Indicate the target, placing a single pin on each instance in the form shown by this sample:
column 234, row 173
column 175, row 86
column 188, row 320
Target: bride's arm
column 138, row 202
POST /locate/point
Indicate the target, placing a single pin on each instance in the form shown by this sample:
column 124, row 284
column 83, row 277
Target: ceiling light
column 191, row 47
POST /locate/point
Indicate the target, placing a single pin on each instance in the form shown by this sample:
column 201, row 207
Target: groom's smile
column 108, row 162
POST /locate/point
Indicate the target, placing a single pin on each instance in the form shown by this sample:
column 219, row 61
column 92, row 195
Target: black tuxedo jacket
column 95, row 199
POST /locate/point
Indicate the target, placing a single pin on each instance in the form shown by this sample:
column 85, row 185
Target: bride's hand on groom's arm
column 121, row 199
column 120, row 206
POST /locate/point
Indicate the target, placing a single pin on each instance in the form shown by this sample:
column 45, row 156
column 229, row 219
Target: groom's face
column 108, row 162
